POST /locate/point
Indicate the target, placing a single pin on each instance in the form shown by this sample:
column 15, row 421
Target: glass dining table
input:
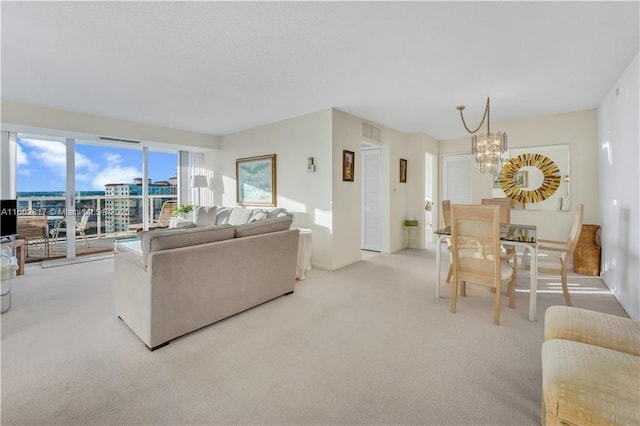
column 513, row 235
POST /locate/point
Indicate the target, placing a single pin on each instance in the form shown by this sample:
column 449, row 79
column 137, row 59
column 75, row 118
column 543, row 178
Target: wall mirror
column 535, row 178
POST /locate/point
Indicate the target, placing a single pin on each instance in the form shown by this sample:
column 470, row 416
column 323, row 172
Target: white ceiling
column 221, row 67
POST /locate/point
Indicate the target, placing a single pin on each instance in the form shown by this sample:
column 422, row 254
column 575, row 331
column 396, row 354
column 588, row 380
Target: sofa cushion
column 263, row 226
column 174, row 238
column 222, row 215
column 205, row 216
column 184, row 225
column 239, row 215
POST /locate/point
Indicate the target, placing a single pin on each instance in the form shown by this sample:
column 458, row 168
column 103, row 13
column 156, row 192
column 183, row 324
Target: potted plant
column 183, row 210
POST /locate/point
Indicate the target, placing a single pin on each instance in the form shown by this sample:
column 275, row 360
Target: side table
column 411, row 236
column 304, row 254
column 18, row 246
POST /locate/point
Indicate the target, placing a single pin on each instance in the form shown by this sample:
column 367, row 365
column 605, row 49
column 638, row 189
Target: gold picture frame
column 403, row 170
column 256, row 181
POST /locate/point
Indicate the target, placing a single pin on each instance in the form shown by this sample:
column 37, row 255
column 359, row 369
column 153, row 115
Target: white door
column 456, row 180
column 371, row 199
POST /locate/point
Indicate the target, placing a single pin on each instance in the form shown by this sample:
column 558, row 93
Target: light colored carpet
column 368, row 344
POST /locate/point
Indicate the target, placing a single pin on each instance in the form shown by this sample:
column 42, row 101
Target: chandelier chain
column 485, row 116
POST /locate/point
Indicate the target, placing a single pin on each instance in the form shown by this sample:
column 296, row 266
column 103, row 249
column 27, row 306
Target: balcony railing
column 110, row 219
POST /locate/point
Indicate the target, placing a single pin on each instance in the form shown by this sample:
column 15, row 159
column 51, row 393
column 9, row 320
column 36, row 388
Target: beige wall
column 307, row 195
column 577, row 129
column 321, row 201
column 419, row 144
column 347, row 135
column 19, row 117
column 399, row 200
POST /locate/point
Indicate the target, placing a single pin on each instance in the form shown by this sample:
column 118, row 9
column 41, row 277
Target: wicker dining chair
column 475, row 249
column 556, row 255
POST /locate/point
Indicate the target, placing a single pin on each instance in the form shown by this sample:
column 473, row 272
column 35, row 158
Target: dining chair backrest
column 446, row 212
column 505, row 207
column 475, row 246
column 475, row 238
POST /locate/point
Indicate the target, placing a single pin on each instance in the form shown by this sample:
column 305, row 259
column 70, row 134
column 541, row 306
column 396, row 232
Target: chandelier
column 490, row 148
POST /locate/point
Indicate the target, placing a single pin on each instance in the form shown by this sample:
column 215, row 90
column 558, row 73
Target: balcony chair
column 35, row 231
column 81, row 226
column 475, row 249
column 163, row 218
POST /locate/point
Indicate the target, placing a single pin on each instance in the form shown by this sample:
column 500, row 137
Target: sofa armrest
column 595, row 328
column 132, row 292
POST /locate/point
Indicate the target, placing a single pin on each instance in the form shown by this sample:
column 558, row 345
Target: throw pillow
column 205, row 216
column 275, row 212
column 239, row 215
column 258, row 214
column 263, row 226
column 222, row 216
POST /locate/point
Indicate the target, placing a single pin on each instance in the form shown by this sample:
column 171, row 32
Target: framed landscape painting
column 256, row 181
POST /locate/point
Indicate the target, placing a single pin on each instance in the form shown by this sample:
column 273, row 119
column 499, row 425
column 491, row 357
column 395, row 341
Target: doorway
column 429, row 192
column 371, row 157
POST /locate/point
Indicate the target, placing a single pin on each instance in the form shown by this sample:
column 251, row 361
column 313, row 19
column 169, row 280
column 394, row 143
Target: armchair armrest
column 552, row 242
column 551, row 245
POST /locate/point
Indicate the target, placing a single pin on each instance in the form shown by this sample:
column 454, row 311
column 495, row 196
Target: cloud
column 22, row 157
column 112, row 158
column 53, row 155
column 115, row 174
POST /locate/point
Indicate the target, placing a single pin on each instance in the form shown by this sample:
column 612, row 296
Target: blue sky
column 42, row 166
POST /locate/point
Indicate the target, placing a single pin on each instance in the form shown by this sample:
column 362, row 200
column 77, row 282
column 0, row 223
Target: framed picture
column 403, row 170
column 348, row 165
column 256, row 181
column 521, row 179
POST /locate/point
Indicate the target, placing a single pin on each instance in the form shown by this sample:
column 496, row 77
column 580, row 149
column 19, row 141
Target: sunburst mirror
column 535, row 178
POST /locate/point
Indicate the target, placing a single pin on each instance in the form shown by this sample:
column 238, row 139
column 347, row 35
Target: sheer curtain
column 192, row 164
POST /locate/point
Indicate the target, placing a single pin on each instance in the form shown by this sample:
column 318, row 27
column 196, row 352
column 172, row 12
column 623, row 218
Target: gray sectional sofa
column 171, row 282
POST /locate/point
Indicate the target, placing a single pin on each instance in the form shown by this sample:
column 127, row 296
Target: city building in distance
column 123, row 202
